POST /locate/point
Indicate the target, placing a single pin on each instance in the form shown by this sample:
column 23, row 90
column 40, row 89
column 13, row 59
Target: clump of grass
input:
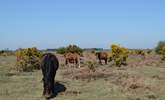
column 92, row 66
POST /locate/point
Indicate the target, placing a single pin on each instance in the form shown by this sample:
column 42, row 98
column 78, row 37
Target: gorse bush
column 28, row 59
column 162, row 52
column 119, row 54
column 110, row 57
column 159, row 47
column 74, row 49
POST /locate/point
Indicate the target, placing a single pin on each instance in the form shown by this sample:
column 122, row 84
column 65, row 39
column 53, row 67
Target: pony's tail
column 48, row 68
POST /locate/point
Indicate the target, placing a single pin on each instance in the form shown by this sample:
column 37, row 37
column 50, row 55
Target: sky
column 86, row 23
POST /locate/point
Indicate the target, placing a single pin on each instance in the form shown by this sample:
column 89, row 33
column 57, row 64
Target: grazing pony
column 102, row 56
column 49, row 66
column 73, row 58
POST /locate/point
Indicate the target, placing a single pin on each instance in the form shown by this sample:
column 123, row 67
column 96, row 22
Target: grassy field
column 144, row 80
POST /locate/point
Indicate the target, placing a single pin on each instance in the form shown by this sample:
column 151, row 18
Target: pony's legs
column 106, row 60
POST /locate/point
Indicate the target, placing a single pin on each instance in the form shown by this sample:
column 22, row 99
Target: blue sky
column 87, row 23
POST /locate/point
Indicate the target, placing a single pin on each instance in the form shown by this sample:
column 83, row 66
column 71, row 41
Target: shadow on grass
column 58, row 88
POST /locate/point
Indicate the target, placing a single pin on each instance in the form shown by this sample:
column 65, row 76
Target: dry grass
column 137, row 81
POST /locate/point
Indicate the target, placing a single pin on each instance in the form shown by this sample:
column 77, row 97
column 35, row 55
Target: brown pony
column 73, row 58
column 102, row 56
column 49, row 65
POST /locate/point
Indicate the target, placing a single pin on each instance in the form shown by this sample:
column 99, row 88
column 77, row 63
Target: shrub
column 61, row 50
column 74, row 49
column 140, row 52
column 159, row 46
column 119, row 54
column 162, row 52
column 149, row 51
column 69, row 49
column 110, row 56
column 6, row 52
column 1, row 52
column 91, row 66
column 28, row 59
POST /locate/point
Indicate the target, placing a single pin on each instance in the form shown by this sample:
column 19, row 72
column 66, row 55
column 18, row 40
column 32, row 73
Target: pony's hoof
column 47, row 96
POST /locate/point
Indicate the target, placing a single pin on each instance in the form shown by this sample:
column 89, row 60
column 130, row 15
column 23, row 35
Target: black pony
column 49, row 66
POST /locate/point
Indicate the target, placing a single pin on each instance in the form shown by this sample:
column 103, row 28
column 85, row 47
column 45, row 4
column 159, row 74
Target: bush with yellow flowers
column 28, row 59
column 119, row 54
column 162, row 52
column 110, row 56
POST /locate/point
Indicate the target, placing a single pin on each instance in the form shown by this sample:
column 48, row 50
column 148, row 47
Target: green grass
column 28, row 85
